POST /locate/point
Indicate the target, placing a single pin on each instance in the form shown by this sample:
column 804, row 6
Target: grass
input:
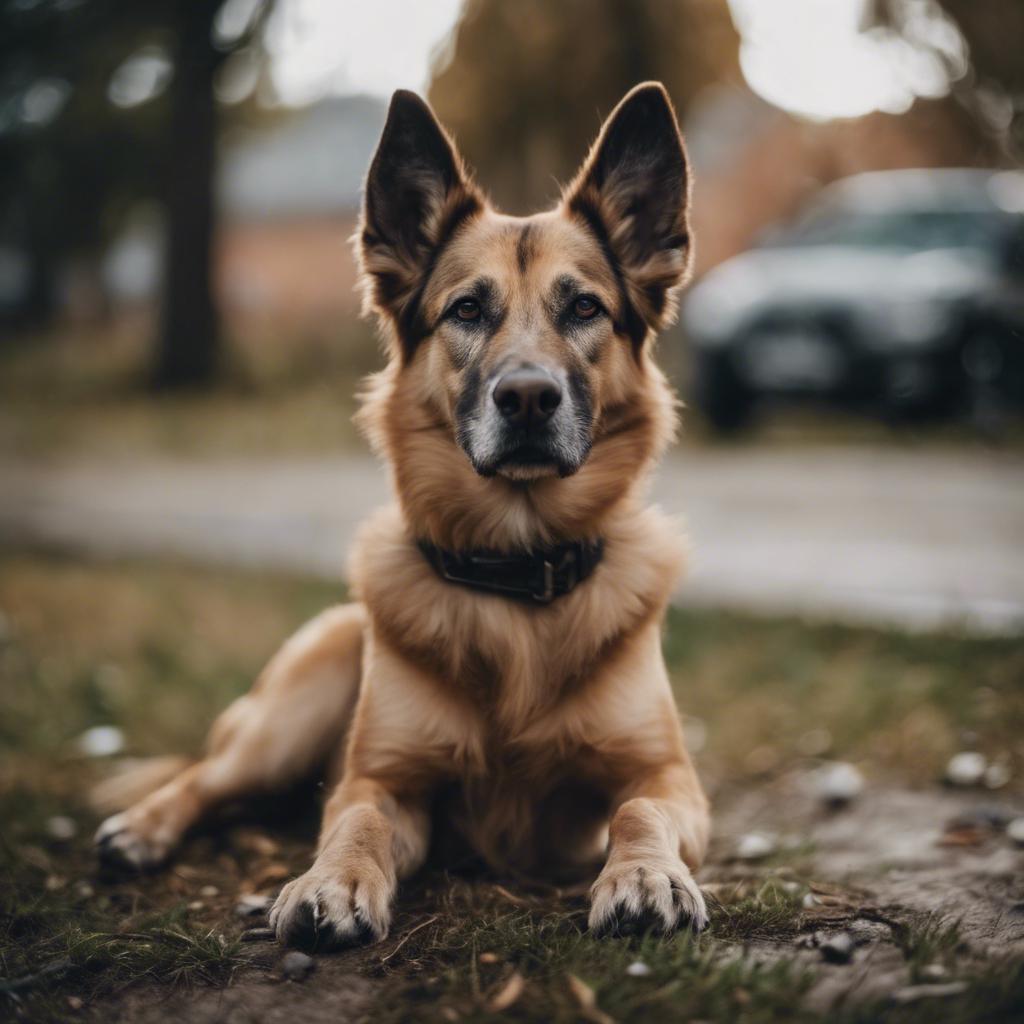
column 902, row 703
column 157, row 649
column 462, row 964
column 929, row 941
column 61, row 947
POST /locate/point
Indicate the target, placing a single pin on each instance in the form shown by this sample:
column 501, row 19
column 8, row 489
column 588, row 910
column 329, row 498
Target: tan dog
column 502, row 672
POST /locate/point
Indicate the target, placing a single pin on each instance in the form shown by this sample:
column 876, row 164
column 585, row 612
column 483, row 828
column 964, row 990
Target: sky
column 807, row 56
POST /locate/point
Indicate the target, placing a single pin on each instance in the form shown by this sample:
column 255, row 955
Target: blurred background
column 180, row 181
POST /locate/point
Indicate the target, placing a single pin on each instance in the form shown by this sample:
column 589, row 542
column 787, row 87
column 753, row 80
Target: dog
column 500, row 675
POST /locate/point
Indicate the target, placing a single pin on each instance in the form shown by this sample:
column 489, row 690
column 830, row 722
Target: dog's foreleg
column 658, row 836
column 290, row 722
column 370, row 838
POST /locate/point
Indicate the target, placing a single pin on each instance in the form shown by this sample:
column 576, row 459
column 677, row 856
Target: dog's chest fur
column 515, row 664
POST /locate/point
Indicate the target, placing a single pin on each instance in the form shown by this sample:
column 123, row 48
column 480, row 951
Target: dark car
column 897, row 292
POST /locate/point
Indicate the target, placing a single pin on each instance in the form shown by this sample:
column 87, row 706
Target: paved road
column 912, row 538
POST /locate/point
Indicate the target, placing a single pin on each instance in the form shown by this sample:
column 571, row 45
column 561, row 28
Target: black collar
column 540, row 575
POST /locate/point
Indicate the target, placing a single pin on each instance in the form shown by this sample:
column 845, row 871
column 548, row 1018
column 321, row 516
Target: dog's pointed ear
column 633, row 193
column 417, row 193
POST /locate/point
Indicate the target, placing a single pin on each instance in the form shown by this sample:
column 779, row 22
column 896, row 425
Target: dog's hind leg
column 294, row 719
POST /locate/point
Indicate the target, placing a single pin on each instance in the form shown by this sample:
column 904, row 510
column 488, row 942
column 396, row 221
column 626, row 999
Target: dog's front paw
column 636, row 896
column 129, row 841
column 324, row 910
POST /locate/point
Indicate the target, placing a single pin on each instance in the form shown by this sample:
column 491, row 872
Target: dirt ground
column 925, row 883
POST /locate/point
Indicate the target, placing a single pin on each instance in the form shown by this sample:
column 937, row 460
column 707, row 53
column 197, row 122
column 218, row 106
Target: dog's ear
column 632, row 192
column 417, row 193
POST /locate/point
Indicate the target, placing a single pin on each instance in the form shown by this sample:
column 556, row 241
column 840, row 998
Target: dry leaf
column 965, row 835
column 510, row 992
column 270, row 874
column 511, row 897
column 257, row 842
column 587, row 1000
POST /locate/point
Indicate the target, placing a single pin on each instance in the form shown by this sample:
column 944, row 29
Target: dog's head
column 523, row 341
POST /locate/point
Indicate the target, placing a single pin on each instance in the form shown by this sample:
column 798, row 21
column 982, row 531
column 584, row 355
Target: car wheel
column 722, row 398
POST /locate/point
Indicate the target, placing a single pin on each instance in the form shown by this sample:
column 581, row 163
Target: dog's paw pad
column 323, row 916
column 638, row 899
column 121, row 847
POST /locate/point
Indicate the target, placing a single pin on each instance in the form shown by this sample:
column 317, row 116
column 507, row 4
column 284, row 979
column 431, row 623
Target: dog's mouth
column 529, row 459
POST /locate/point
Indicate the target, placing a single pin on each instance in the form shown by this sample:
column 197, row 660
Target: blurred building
column 289, row 192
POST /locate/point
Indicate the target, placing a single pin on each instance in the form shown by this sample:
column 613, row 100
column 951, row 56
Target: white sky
column 807, row 56
column 349, row 46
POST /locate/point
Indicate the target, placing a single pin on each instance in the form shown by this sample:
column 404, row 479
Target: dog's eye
column 585, row 308
column 467, row 309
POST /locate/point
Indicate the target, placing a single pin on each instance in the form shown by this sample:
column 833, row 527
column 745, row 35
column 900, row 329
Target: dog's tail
column 132, row 780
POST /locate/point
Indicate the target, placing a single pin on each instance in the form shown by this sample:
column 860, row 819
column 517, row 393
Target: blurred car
column 896, row 292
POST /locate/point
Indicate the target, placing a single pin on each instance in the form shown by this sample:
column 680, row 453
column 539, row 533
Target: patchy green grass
column 461, row 965
column 159, row 649
column 59, row 947
column 777, row 691
column 929, row 941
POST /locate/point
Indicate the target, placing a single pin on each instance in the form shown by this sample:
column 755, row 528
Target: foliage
column 528, row 83
column 991, row 86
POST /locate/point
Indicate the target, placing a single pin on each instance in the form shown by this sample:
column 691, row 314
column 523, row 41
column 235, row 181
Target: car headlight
column 917, row 322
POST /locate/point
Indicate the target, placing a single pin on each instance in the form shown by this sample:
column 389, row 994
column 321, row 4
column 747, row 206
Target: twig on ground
column 51, row 970
column 408, row 935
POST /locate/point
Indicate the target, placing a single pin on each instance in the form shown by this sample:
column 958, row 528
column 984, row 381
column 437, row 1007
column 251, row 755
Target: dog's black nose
column 527, row 396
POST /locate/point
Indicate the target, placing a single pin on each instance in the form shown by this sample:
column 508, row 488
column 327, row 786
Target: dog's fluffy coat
column 546, row 735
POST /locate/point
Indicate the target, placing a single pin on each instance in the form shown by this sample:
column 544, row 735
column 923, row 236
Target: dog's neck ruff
column 538, row 576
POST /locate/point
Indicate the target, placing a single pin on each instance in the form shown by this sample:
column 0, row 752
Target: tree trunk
column 188, row 343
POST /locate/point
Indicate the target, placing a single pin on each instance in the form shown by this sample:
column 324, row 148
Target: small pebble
column 810, row 901
column 934, row 972
column 815, row 742
column 252, row 905
column 966, row 768
column 209, row 890
column 997, row 775
column 915, row 993
column 839, row 783
column 695, row 733
column 295, row 965
column 838, row 948
column 755, row 846
column 101, row 741
column 638, row 969
column 1015, row 831
column 982, row 816
column 258, row 935
column 61, row 828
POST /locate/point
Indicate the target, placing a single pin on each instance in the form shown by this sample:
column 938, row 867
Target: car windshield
column 918, row 230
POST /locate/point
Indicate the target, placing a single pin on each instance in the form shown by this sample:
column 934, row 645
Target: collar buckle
column 545, row 593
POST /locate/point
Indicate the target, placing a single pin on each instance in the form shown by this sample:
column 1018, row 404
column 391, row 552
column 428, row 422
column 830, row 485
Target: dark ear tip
column 405, row 103
column 650, row 97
